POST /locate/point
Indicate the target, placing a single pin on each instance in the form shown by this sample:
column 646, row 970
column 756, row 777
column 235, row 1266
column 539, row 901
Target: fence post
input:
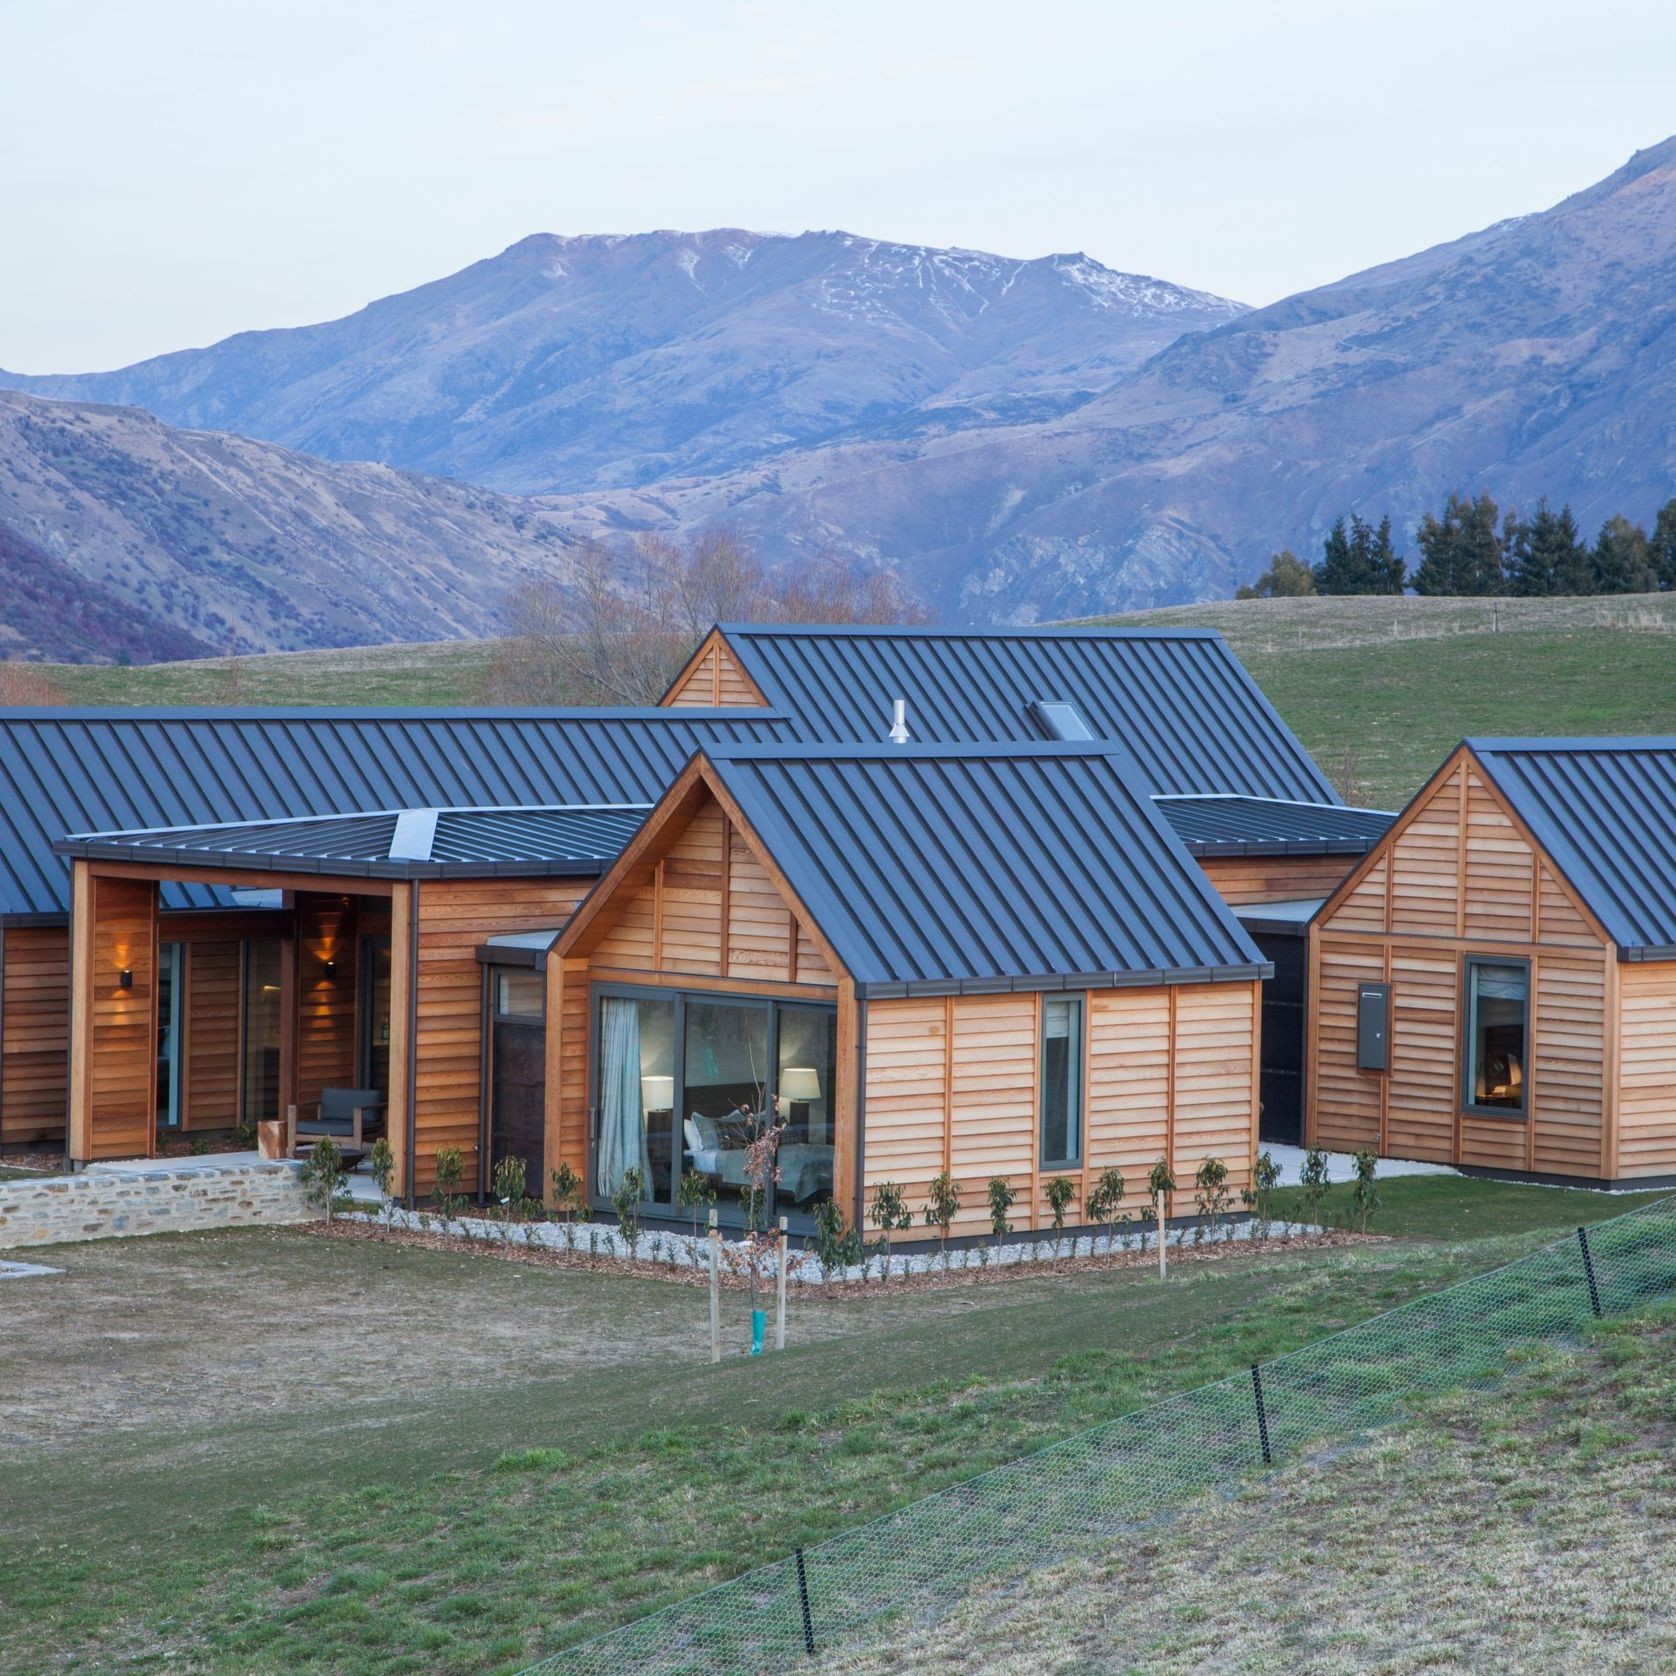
column 803, row 1597
column 715, row 1290
column 1262, row 1413
column 1158, row 1206
column 1589, row 1270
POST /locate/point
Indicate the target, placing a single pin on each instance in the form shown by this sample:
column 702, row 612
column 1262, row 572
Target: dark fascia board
column 50, row 921
column 20, row 922
column 1050, row 982
column 333, row 867
column 386, row 713
column 1636, row 953
column 498, row 954
column 886, row 631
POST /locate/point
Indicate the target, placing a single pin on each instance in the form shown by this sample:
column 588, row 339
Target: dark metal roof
column 1177, row 700
column 938, row 869
column 1213, row 826
column 396, row 844
column 67, row 771
column 1605, row 812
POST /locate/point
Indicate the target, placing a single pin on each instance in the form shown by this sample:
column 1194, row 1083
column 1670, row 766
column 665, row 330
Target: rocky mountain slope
column 1020, row 440
column 120, row 535
column 1536, row 356
column 591, row 363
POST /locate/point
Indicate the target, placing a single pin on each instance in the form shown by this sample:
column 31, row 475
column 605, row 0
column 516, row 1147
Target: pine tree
column 1481, row 548
column 1523, row 576
column 1335, row 573
column 1574, row 571
column 1386, row 566
column 1661, row 549
column 1441, row 567
column 1622, row 564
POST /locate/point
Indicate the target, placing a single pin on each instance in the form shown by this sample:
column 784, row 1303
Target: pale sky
column 175, row 170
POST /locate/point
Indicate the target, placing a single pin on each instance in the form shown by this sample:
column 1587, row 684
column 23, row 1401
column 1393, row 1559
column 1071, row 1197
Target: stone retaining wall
column 108, row 1204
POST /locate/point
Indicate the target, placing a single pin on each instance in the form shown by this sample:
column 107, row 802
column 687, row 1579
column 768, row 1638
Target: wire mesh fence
column 1082, row 1494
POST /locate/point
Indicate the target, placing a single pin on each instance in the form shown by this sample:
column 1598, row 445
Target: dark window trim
column 657, row 1212
column 1042, row 1160
column 1503, row 1114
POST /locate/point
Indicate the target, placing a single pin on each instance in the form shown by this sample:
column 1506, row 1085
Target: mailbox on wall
column 1373, row 1027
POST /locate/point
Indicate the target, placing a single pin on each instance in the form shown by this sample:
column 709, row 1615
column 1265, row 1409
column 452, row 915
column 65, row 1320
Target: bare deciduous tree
column 620, row 629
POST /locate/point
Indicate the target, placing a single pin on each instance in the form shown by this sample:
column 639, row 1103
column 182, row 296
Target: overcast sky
column 173, row 171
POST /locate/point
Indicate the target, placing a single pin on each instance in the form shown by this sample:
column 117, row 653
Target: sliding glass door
column 686, row 1083
column 170, row 1011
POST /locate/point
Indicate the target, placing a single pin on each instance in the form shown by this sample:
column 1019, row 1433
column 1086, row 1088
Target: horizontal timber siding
column 1275, row 878
column 953, row 1084
column 34, row 1052
column 1647, row 1070
column 1459, row 876
column 210, row 1085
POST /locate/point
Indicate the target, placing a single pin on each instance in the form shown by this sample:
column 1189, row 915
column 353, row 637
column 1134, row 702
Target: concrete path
column 1342, row 1167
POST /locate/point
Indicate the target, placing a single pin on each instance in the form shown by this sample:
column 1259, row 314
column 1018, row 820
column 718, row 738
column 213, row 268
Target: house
column 258, row 895
column 1495, row 981
column 984, row 961
column 1251, row 804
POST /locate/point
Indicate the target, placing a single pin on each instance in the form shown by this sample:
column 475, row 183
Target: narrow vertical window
column 1061, row 1133
column 1497, row 1030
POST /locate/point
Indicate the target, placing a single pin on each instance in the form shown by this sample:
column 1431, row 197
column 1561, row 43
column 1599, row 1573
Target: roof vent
column 899, row 726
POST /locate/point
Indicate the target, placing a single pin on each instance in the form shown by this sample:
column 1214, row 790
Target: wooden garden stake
column 1158, row 1205
column 780, row 1301
column 715, row 1290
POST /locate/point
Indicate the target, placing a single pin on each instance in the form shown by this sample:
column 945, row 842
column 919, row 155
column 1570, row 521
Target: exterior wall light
column 125, row 978
column 330, row 968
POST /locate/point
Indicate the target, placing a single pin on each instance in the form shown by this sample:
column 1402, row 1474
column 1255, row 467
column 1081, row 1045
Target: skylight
column 1060, row 719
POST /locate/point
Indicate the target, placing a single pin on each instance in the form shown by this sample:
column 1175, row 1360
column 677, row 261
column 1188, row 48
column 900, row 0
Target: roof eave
column 1052, row 982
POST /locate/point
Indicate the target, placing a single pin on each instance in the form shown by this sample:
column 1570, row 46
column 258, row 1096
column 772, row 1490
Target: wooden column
column 113, row 1025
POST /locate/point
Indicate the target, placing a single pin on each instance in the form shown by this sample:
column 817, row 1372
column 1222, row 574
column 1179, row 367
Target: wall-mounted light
column 125, row 978
column 330, row 968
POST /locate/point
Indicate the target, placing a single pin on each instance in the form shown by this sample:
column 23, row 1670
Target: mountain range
column 1019, row 439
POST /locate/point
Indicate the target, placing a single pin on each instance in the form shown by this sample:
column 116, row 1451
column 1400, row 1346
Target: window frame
column 1080, row 1102
column 1466, row 1066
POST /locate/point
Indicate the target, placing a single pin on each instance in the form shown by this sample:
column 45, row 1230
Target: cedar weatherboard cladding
column 1604, row 810
column 108, row 770
column 984, row 868
column 1178, row 701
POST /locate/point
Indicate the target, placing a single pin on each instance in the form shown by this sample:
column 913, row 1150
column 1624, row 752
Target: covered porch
column 362, row 970
column 192, row 1026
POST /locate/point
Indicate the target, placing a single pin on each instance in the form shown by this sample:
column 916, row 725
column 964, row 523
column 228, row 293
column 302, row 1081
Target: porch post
column 113, row 1016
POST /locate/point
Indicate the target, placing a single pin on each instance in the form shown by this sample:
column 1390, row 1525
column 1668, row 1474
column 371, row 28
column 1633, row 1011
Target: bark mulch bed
column 548, row 1257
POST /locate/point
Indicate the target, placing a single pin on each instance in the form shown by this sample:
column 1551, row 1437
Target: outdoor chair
column 349, row 1116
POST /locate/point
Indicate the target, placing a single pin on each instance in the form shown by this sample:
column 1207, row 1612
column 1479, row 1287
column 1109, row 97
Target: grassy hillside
column 1378, row 689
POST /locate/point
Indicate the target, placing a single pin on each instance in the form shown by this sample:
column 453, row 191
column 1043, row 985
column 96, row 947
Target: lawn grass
column 1446, row 1207
column 1528, row 1533
column 1381, row 718
column 468, row 1524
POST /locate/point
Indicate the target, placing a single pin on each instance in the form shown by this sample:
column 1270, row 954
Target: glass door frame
column 170, row 1031
column 802, row 1221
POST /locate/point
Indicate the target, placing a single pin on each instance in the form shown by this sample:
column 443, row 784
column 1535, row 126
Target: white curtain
column 622, row 1118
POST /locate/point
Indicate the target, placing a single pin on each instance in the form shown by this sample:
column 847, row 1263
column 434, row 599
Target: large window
column 259, row 1098
column 1497, row 1036
column 685, row 1084
column 1061, row 1136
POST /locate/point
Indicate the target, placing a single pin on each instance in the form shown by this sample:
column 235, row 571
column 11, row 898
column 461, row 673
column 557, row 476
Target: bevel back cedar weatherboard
column 937, row 895
column 1558, row 856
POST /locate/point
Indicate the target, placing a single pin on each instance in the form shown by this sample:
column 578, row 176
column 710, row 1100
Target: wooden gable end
column 713, row 680
column 705, row 902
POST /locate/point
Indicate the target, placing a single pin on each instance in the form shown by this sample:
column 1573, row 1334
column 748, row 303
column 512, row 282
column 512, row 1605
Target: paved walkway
column 1342, row 1167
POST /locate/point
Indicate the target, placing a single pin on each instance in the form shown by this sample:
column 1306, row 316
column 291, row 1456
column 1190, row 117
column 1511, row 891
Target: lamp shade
column 657, row 1094
column 800, row 1082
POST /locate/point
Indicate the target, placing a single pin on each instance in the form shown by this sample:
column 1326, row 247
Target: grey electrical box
column 1373, row 1027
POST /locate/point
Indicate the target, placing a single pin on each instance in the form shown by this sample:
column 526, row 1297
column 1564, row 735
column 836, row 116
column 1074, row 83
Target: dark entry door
column 1282, row 1083
column 518, row 1098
